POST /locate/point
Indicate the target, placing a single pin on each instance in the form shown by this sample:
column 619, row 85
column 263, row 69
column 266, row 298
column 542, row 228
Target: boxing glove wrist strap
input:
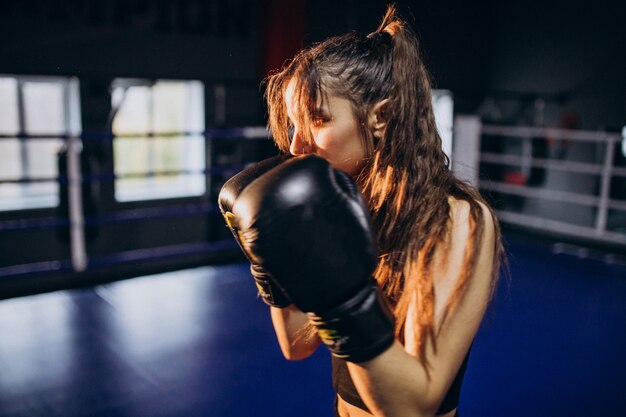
column 269, row 292
column 359, row 329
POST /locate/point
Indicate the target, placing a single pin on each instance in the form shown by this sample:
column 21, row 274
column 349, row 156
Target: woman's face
column 335, row 132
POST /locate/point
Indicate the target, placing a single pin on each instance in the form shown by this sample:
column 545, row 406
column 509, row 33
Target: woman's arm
column 396, row 383
column 296, row 338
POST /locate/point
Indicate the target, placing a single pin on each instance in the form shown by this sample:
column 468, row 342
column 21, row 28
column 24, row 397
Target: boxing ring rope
column 119, row 258
column 119, row 216
column 600, row 202
column 64, row 179
column 550, row 132
column 554, row 164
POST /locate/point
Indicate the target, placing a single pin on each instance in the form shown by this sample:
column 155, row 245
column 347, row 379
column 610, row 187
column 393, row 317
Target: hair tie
column 382, row 37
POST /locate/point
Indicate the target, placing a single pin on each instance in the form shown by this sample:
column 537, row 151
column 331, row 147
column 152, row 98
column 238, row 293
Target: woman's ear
column 377, row 118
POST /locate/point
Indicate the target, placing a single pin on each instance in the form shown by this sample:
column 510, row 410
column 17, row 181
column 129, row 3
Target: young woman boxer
column 398, row 297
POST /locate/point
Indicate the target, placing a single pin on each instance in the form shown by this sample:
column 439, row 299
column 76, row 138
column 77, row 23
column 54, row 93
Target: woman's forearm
column 296, row 338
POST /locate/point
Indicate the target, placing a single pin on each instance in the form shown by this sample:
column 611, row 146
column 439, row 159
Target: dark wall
column 571, row 54
column 215, row 41
column 455, row 36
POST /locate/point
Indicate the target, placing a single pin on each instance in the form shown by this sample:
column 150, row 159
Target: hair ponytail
column 408, row 184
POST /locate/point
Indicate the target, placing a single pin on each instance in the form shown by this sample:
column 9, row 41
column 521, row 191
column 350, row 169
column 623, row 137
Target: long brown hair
column 407, row 180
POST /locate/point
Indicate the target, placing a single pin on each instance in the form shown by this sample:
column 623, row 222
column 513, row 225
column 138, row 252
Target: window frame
column 151, row 134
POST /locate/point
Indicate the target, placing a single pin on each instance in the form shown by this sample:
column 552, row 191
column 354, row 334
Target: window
column 159, row 149
column 39, row 108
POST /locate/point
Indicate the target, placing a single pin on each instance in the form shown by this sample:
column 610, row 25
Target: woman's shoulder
column 471, row 235
column 462, row 220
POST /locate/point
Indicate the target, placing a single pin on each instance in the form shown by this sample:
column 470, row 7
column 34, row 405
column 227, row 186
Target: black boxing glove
column 305, row 223
column 229, row 193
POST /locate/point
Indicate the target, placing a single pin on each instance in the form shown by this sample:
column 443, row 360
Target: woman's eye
column 320, row 120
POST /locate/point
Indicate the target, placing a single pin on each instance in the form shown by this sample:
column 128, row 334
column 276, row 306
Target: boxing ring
column 197, row 341
column 593, row 208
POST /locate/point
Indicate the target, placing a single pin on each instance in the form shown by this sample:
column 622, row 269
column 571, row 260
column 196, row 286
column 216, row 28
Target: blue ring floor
column 199, row 342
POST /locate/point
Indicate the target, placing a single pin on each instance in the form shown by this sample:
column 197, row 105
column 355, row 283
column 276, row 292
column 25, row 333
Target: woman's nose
column 297, row 147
